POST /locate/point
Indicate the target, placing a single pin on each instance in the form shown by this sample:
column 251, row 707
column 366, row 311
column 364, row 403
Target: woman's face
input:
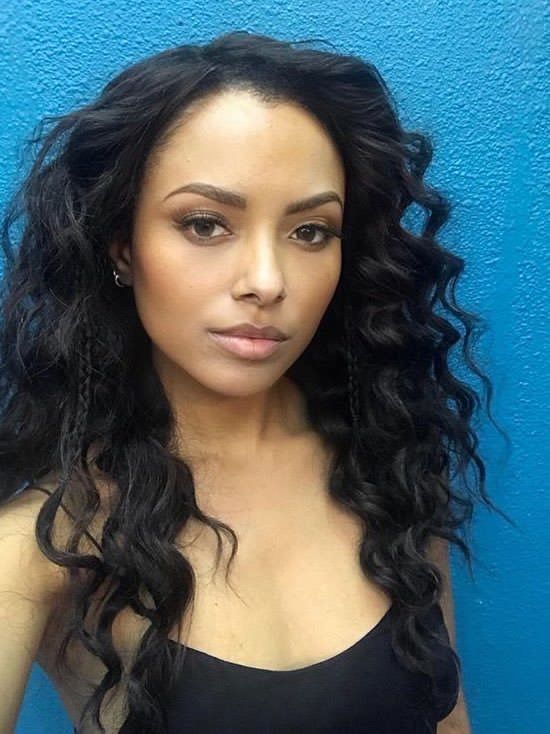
column 251, row 259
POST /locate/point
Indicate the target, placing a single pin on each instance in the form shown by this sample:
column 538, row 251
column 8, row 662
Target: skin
column 261, row 265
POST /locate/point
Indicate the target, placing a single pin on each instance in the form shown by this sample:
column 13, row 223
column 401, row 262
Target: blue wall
column 472, row 74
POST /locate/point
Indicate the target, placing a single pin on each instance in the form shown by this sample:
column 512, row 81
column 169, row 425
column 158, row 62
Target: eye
column 204, row 221
column 326, row 232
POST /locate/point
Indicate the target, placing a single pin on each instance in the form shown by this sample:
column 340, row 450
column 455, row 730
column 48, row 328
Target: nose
column 260, row 273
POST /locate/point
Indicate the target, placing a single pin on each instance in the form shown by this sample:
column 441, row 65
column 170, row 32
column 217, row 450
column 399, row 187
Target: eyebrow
column 231, row 198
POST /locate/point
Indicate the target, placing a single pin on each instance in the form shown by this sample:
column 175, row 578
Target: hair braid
column 73, row 449
column 84, row 383
column 353, row 369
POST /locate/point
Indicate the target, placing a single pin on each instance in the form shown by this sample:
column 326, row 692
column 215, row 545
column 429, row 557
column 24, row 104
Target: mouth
column 253, row 331
column 251, row 348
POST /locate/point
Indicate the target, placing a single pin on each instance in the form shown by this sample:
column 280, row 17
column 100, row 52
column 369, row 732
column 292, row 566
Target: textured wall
column 472, row 74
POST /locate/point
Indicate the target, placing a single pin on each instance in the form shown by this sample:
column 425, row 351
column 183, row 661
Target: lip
column 246, row 347
column 253, row 332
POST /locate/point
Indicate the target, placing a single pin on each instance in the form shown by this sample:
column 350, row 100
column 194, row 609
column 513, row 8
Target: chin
column 240, row 385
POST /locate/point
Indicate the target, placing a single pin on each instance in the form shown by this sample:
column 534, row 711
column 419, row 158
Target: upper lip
column 258, row 332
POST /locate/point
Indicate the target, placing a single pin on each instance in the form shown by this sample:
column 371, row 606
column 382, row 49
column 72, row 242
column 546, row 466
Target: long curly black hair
column 76, row 370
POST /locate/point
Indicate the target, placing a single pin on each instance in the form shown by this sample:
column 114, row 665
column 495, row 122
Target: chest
column 295, row 593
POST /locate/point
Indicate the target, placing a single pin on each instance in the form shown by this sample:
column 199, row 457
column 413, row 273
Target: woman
column 222, row 326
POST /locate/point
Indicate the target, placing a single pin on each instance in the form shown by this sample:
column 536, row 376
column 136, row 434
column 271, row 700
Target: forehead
column 237, row 136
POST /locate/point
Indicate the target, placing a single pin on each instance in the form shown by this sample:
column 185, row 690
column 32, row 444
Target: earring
column 118, row 282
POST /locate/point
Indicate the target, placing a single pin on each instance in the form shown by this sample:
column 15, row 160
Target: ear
column 121, row 256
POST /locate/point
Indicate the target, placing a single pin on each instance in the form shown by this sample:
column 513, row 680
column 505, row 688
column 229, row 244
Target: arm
column 457, row 722
column 28, row 586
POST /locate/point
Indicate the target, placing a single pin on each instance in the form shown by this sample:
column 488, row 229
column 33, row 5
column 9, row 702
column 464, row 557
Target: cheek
column 314, row 295
column 324, row 281
column 169, row 296
column 173, row 275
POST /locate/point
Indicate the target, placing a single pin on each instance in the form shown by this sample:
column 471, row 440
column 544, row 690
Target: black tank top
column 362, row 689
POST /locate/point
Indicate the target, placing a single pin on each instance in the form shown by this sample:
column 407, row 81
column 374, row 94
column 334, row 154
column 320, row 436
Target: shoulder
column 34, row 599
column 23, row 563
column 30, row 587
column 18, row 537
column 438, row 553
column 438, row 550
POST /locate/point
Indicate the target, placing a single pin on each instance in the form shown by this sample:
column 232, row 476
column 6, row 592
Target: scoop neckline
column 378, row 627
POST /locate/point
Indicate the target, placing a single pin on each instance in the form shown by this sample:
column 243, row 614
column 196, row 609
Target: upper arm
column 457, row 721
column 438, row 553
column 29, row 586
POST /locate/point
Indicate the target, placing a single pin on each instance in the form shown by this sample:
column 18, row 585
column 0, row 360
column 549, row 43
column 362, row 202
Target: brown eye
column 203, row 224
column 326, row 232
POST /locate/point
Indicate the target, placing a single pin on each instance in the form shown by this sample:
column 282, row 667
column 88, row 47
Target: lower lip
column 246, row 347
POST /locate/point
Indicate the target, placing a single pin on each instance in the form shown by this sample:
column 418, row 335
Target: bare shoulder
column 20, row 550
column 30, row 587
column 20, row 553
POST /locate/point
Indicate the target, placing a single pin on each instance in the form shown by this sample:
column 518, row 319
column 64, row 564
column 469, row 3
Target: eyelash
column 187, row 222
